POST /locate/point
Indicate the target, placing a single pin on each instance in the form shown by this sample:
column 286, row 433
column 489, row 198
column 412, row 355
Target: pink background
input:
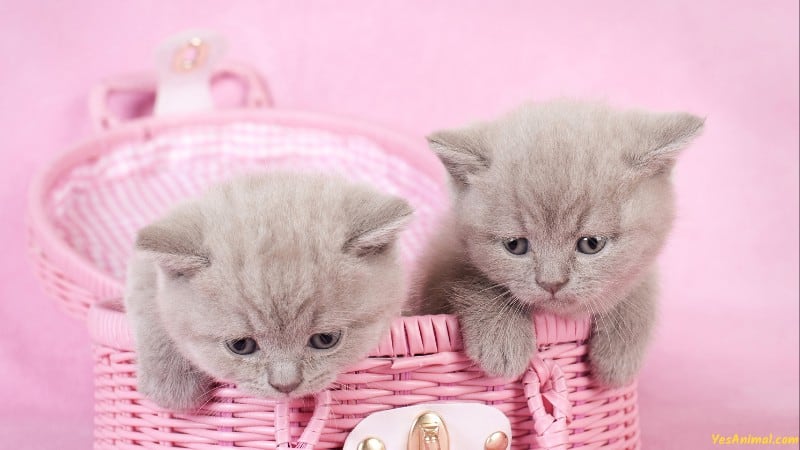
column 725, row 359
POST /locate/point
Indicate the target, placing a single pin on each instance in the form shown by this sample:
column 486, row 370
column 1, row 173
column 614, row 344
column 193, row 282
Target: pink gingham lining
column 86, row 208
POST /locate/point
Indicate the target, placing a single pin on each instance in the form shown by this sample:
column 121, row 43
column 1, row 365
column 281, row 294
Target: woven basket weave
column 86, row 207
column 555, row 405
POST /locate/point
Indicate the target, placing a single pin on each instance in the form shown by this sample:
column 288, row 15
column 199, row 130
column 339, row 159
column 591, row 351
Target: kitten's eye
column 591, row 245
column 243, row 346
column 518, row 246
column 324, row 341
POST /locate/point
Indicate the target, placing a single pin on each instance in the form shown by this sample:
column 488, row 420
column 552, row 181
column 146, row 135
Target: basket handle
column 310, row 436
column 256, row 95
column 545, row 380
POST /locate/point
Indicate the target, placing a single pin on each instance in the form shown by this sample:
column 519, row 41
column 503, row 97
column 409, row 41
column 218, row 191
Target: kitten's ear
column 375, row 225
column 176, row 242
column 663, row 136
column 461, row 151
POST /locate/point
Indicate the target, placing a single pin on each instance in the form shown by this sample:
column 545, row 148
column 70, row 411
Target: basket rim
column 412, row 151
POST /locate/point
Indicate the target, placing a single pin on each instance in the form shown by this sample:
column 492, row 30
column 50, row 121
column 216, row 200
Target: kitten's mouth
column 550, row 303
column 305, row 389
column 557, row 304
column 272, row 394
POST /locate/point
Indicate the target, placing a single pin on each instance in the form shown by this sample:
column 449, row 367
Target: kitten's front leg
column 497, row 333
column 620, row 336
column 163, row 374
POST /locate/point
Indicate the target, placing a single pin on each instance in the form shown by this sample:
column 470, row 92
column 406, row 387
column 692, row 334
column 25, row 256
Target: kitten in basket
column 274, row 282
column 559, row 208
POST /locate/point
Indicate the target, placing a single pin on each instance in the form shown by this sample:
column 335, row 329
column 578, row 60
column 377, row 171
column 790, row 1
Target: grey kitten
column 274, row 282
column 559, row 207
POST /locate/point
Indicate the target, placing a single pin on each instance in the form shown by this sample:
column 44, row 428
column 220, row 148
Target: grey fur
column 275, row 257
column 552, row 173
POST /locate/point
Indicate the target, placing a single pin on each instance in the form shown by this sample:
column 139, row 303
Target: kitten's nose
column 551, row 286
column 285, row 387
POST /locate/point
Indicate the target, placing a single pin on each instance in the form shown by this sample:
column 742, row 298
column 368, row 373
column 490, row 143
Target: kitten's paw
column 176, row 391
column 613, row 363
column 503, row 353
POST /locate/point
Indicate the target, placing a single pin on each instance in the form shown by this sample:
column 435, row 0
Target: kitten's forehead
column 547, row 202
column 567, row 140
column 285, row 288
column 291, row 293
column 558, row 168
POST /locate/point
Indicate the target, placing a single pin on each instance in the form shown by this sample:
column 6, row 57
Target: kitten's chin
column 560, row 306
column 305, row 391
column 267, row 392
column 270, row 393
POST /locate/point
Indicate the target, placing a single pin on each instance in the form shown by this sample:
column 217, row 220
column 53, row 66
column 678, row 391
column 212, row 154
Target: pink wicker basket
column 555, row 405
column 86, row 207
